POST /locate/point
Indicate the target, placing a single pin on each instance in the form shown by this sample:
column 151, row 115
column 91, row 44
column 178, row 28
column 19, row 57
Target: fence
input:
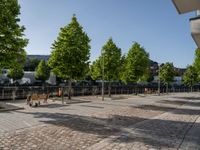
column 21, row 92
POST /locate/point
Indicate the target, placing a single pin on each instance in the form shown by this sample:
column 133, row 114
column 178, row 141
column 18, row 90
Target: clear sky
column 155, row 24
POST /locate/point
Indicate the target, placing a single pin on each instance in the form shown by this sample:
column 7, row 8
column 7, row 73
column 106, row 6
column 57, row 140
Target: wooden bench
column 149, row 91
column 34, row 99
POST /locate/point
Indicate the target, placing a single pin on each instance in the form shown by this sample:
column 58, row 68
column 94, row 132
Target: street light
column 102, row 92
column 159, row 79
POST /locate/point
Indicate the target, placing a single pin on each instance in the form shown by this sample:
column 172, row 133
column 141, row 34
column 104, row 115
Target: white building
column 27, row 78
column 184, row 6
column 178, row 80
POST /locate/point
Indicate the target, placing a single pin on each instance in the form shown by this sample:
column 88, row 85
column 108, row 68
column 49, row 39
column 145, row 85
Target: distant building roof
column 39, row 57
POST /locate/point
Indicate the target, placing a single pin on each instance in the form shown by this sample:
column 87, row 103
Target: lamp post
column 159, row 79
column 102, row 92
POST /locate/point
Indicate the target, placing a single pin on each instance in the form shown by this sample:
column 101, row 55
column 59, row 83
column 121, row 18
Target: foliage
column 16, row 72
column 190, row 76
column 122, row 67
column 136, row 64
column 70, row 53
column 166, row 74
column 197, row 62
column 148, row 76
column 31, row 64
column 42, row 71
column 12, row 41
column 109, row 62
column 96, row 69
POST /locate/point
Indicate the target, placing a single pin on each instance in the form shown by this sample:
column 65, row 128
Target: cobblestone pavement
column 151, row 122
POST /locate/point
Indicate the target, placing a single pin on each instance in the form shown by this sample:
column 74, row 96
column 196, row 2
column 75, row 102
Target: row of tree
column 42, row 72
column 70, row 54
column 69, row 60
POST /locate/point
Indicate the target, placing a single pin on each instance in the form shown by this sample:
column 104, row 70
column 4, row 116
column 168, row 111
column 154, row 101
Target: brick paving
column 152, row 122
column 53, row 137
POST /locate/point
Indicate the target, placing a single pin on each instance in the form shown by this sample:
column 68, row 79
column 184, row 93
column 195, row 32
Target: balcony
column 195, row 29
column 184, row 6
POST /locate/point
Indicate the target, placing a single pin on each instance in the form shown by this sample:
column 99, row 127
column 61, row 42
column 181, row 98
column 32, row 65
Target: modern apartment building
column 184, row 6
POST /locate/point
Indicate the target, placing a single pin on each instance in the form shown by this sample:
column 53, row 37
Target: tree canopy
column 196, row 63
column 109, row 62
column 96, row 69
column 136, row 64
column 12, row 41
column 31, row 64
column 166, row 74
column 16, row 73
column 42, row 71
column 190, row 76
column 70, row 54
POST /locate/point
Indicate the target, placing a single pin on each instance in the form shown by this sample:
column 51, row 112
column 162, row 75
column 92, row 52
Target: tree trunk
column 167, row 88
column 14, row 93
column 62, row 95
column 191, row 89
column 136, row 91
column 69, row 91
column 109, row 89
column 43, row 87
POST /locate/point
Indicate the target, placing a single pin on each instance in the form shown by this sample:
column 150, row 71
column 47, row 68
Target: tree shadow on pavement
column 173, row 102
column 180, row 102
column 174, row 110
column 151, row 132
column 188, row 98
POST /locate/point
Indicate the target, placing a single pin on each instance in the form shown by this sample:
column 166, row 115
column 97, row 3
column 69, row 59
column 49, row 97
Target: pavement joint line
column 28, row 124
column 187, row 131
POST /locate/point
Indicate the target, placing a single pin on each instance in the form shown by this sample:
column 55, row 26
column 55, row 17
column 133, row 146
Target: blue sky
column 155, row 24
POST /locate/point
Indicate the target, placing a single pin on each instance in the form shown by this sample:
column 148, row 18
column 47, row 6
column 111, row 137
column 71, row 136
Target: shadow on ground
column 188, row 98
column 152, row 132
column 181, row 102
column 174, row 110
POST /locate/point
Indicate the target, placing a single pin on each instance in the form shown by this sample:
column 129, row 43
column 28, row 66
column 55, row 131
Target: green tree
column 109, row 61
column 42, row 71
column 166, row 74
column 196, row 63
column 96, row 69
column 122, row 66
column 31, row 64
column 70, row 53
column 136, row 64
column 16, row 72
column 148, row 76
column 190, row 76
column 12, row 41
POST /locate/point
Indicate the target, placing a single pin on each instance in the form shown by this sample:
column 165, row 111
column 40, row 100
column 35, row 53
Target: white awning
column 195, row 29
column 184, row 6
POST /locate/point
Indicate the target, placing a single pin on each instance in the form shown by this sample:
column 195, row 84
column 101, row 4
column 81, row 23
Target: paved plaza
column 131, row 123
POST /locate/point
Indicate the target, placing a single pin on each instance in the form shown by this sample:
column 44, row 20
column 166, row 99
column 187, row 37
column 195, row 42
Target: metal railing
column 21, row 92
